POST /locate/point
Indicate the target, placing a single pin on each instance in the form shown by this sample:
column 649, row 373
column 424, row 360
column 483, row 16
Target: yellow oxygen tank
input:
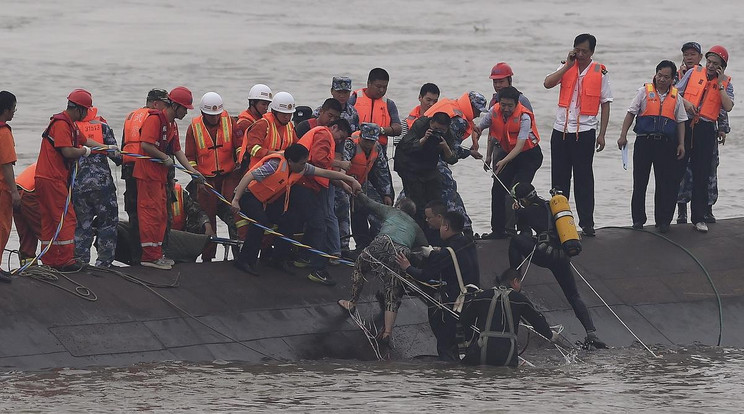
column 564, row 223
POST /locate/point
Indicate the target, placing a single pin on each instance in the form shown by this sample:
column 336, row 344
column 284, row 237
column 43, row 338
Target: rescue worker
column 61, row 145
column 514, row 127
column 341, row 91
column 533, row 213
column 159, row 140
column 211, row 145
column 369, row 165
column 585, row 90
column 264, row 194
column 94, row 193
column 317, row 197
column 399, row 234
column 497, row 313
column 259, row 98
column 27, row 217
column 157, row 100
column 188, row 215
column 9, row 197
column 434, row 215
column 271, row 134
column 455, row 266
column 660, row 142
column 329, row 112
column 706, row 92
column 428, row 96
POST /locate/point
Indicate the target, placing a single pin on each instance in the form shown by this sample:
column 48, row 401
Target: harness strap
column 463, row 291
column 503, row 294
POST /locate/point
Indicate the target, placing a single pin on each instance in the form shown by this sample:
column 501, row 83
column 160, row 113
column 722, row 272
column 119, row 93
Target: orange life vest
column 247, row 116
column 273, row 140
column 91, row 129
column 362, row 163
column 75, row 135
column 506, row 132
column 26, row 179
column 177, row 210
column 130, row 141
column 659, row 117
column 413, row 116
column 375, row 111
column 212, row 158
column 590, row 88
column 272, row 187
column 455, row 107
column 308, row 140
column 704, row 94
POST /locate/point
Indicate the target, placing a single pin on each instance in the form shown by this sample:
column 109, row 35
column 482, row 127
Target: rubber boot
column 681, row 213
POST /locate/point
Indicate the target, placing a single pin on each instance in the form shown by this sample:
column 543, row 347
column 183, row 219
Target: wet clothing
column 500, row 349
column 549, row 254
column 194, row 218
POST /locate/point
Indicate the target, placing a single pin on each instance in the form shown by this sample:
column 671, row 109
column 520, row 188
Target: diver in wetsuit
column 496, row 312
column 534, row 214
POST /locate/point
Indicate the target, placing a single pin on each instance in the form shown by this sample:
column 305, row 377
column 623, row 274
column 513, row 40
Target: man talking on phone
column 585, row 90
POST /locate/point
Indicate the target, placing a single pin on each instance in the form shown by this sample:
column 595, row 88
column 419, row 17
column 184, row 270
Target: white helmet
column 283, row 102
column 211, row 103
column 260, row 92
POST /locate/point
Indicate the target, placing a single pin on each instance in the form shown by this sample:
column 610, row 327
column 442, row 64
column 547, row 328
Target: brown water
column 119, row 50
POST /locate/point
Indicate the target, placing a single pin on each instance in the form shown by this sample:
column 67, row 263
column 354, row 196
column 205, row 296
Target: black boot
column 681, row 213
column 709, row 217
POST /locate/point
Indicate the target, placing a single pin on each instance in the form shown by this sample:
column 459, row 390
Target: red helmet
column 182, row 96
column 720, row 51
column 501, row 70
column 81, row 97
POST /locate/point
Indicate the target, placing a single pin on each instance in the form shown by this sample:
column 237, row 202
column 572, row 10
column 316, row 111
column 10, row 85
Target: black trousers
column 273, row 213
column 444, row 327
column 521, row 169
column 521, row 246
column 130, row 206
column 700, row 142
column 360, row 226
column 574, row 155
column 661, row 154
column 422, row 188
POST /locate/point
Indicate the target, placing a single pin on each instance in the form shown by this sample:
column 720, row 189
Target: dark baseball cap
column 692, row 45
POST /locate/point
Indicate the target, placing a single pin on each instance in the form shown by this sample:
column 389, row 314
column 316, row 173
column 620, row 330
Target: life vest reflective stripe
column 177, row 209
column 506, row 132
column 214, row 159
column 375, row 111
column 460, row 107
column 308, row 141
column 26, row 179
column 130, row 141
column 272, row 187
column 91, row 130
column 500, row 295
column 413, row 116
column 361, row 163
column 658, row 117
column 273, row 141
column 704, row 94
column 590, row 89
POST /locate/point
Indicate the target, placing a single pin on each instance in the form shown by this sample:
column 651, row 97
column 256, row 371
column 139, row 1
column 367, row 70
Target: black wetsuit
column 499, row 350
column 537, row 216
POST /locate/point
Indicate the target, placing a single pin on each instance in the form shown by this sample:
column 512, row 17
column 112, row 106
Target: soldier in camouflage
column 341, row 90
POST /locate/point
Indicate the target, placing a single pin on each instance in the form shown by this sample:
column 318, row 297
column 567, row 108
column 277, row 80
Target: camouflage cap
column 369, row 131
column 341, row 83
column 157, row 95
column 478, row 101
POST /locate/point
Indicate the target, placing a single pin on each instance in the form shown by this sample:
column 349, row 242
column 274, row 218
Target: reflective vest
column 413, row 116
column 658, row 117
column 375, row 111
column 212, row 158
column 308, row 140
column 177, row 209
column 273, row 141
column 26, row 180
column 460, row 107
column 130, row 141
column 91, row 129
column 590, row 89
column 704, row 94
column 272, row 187
column 362, row 163
column 506, row 132
column 247, row 116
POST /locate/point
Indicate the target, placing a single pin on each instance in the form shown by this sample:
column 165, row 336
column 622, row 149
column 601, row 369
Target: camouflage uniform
column 348, row 112
column 94, row 197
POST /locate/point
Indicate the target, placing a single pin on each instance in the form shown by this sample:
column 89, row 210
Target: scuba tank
column 564, row 223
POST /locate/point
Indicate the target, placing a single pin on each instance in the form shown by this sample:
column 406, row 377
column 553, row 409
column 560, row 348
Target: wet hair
column 437, row 207
column 378, row 74
column 509, row 92
column 296, row 152
column 507, row 276
column 441, row 118
column 586, row 37
column 342, row 124
column 455, row 221
column 429, row 88
column 667, row 64
column 331, row 103
column 7, row 100
column 407, row 206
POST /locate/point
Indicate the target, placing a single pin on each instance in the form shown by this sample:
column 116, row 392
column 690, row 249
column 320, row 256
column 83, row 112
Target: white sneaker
column 158, row 264
column 169, row 261
column 701, row 227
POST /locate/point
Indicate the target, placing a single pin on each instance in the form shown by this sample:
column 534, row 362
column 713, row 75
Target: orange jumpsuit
column 7, row 156
column 27, row 218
